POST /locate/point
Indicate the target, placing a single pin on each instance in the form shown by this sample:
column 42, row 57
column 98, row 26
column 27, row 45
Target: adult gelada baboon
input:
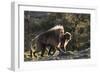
column 51, row 37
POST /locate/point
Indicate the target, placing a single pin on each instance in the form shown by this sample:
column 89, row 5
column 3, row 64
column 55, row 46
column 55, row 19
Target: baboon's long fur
column 51, row 37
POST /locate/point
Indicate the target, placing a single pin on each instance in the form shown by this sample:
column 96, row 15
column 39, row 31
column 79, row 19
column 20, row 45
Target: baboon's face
column 60, row 32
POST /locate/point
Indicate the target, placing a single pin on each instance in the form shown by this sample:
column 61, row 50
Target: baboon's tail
column 33, row 45
column 33, row 41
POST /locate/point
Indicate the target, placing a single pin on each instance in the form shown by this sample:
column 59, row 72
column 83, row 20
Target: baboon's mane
column 57, row 27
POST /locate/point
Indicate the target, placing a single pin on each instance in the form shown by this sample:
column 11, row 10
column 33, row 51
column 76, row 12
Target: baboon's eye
column 62, row 32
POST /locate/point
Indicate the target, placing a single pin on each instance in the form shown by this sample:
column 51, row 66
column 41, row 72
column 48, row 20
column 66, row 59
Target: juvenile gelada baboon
column 65, row 39
column 51, row 37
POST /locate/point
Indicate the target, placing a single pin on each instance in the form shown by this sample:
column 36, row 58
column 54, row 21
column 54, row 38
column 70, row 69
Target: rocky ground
column 83, row 54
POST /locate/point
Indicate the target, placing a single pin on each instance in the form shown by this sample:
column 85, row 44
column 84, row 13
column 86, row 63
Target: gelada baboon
column 51, row 37
column 65, row 39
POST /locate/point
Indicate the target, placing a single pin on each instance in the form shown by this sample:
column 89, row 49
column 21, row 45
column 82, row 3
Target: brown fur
column 64, row 41
column 51, row 38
